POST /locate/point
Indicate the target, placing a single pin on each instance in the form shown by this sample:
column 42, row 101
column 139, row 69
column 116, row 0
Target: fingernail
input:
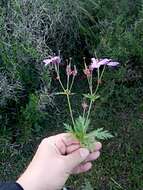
column 84, row 152
column 98, row 146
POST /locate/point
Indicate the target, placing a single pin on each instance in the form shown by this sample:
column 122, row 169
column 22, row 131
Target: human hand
column 56, row 158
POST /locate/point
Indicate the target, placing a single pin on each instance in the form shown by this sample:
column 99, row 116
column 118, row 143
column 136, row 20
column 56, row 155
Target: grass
column 120, row 165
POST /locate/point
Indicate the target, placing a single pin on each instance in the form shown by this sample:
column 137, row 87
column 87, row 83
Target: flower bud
column 57, row 78
column 87, row 72
column 84, row 105
column 99, row 81
column 68, row 70
column 74, row 72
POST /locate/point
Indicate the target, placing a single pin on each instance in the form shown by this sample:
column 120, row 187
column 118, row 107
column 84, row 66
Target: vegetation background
column 31, row 30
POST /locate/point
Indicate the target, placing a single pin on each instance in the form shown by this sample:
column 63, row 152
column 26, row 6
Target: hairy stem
column 83, row 115
column 70, row 109
column 91, row 101
column 68, row 81
column 102, row 72
column 61, row 83
column 89, row 110
column 72, row 83
column 99, row 79
column 58, row 75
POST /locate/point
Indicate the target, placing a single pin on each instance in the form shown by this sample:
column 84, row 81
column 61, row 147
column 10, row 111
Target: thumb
column 75, row 158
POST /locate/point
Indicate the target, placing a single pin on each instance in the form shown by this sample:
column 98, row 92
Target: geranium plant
column 80, row 127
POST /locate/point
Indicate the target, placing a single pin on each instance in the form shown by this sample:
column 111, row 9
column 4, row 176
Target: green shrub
column 30, row 117
column 30, row 29
column 119, row 30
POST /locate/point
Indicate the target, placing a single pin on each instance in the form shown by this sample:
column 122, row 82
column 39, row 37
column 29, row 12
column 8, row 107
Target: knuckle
column 44, row 141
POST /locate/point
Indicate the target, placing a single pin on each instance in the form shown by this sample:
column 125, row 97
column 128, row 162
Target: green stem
column 70, row 109
column 91, row 102
column 61, row 84
column 91, row 84
column 89, row 110
column 97, row 87
column 58, row 75
column 102, row 72
column 89, row 79
column 67, row 91
column 90, row 87
column 88, row 82
column 72, row 83
column 68, row 81
column 99, row 79
column 83, row 115
column 98, row 82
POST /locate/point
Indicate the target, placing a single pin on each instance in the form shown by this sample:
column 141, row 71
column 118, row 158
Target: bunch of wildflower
column 80, row 125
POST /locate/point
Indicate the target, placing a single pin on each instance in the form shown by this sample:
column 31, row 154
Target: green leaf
column 68, row 127
column 100, row 134
column 79, row 129
column 91, row 97
column 81, row 124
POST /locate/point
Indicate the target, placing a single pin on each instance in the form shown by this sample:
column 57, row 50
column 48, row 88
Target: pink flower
column 52, row 60
column 96, row 63
column 87, row 72
column 68, row 70
column 104, row 61
column 47, row 61
column 74, row 72
column 113, row 64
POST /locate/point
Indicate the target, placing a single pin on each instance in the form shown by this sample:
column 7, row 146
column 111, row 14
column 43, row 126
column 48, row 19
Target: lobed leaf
column 100, row 134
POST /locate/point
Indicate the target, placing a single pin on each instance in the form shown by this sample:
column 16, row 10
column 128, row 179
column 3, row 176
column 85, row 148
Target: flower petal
column 94, row 63
column 94, row 66
column 104, row 61
column 93, row 60
column 113, row 64
column 53, row 60
column 56, row 60
column 47, row 61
